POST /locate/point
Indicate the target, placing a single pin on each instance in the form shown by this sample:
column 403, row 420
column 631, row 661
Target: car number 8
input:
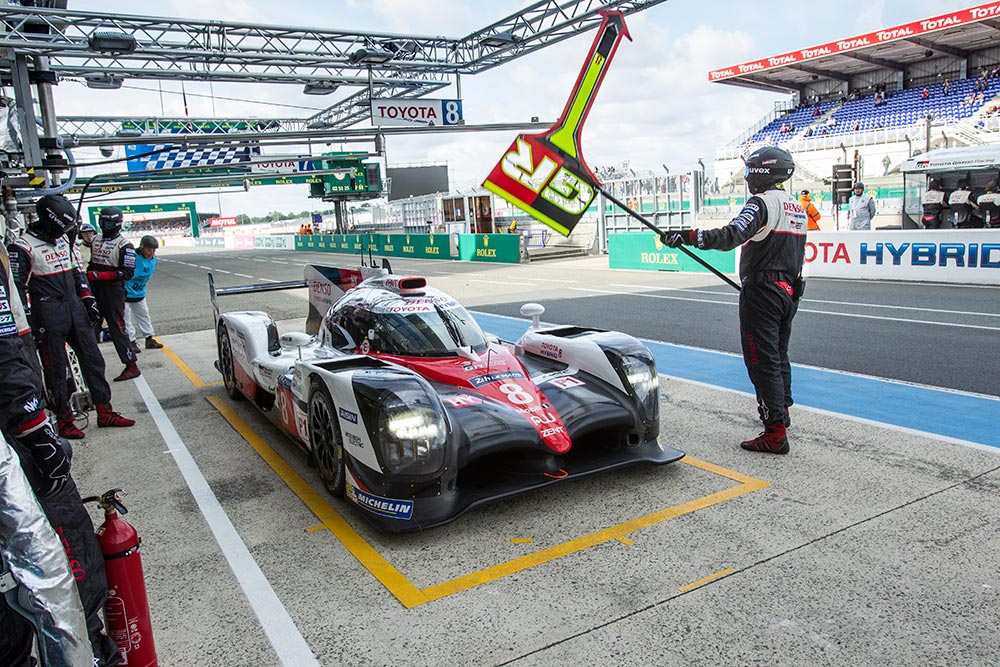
column 516, row 394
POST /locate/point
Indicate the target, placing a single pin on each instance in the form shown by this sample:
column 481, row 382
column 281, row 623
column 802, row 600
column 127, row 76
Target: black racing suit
column 934, row 203
column 48, row 279
column 772, row 229
column 21, row 416
column 112, row 263
column 963, row 207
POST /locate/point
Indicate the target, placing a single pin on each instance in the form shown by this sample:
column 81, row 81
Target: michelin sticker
column 387, row 507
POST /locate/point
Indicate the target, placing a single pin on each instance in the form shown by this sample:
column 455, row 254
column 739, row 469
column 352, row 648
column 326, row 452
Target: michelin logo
column 394, row 509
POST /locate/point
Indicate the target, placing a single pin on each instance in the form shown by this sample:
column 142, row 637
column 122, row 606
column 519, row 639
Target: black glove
column 676, row 239
column 48, row 455
column 93, row 312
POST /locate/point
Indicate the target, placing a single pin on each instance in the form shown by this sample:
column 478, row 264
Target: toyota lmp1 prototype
column 414, row 414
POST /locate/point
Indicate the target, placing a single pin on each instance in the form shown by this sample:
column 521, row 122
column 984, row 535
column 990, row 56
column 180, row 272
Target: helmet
column 56, row 216
column 768, row 166
column 111, row 221
column 149, row 242
column 857, row 185
column 87, row 227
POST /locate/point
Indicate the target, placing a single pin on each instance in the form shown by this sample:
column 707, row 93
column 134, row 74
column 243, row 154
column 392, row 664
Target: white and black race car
column 416, row 415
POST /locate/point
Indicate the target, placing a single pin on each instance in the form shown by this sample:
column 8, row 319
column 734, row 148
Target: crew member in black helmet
column 772, row 229
column 112, row 263
column 61, row 310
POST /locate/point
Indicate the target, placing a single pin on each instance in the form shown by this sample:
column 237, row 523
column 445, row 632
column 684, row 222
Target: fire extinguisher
column 126, row 611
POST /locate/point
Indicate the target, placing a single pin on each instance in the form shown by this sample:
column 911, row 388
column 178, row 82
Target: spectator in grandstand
column 806, row 202
column 816, row 111
column 831, row 121
column 963, row 207
column 861, row 208
column 989, row 206
column 925, row 93
column 136, row 308
column 808, row 132
column 112, row 262
column 933, row 204
column 946, row 88
column 978, row 98
column 771, row 227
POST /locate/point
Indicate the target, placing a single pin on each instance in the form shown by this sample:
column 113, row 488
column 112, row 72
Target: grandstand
column 862, row 101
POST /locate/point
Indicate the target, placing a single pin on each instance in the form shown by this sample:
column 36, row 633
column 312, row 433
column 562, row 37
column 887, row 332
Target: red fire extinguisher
column 126, row 611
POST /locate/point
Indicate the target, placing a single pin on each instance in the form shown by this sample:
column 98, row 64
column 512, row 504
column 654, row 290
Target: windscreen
column 428, row 326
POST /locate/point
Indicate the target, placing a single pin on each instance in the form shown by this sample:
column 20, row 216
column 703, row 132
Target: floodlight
column 499, row 40
column 103, row 81
column 110, row 41
column 371, row 57
column 320, row 88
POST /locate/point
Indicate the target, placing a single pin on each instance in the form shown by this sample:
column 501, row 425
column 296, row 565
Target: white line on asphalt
column 274, row 261
column 835, row 303
column 221, row 271
column 242, row 275
column 500, row 282
column 801, row 310
column 207, row 268
column 268, row 280
column 285, row 638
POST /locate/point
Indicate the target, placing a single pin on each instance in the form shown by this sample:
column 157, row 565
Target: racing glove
column 48, row 455
column 106, row 276
column 93, row 312
column 678, row 238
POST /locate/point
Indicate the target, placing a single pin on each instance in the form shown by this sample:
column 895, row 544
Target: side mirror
column 296, row 339
column 534, row 311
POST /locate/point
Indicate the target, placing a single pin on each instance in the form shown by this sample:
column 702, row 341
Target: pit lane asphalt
column 865, row 546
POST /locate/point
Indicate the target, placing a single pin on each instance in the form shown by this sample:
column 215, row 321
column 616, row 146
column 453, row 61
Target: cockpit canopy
column 423, row 322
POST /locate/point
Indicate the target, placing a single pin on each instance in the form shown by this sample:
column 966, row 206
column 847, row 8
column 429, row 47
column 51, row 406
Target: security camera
column 107, row 151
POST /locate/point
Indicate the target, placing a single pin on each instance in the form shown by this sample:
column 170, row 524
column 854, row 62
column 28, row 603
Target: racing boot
column 67, row 427
column 771, row 441
column 153, row 344
column 131, row 371
column 108, row 417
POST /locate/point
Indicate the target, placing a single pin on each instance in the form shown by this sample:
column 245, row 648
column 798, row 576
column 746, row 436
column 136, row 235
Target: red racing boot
column 67, row 427
column 771, row 441
column 131, row 371
column 108, row 417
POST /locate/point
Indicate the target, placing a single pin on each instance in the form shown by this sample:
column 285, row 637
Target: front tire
column 325, row 440
column 226, row 364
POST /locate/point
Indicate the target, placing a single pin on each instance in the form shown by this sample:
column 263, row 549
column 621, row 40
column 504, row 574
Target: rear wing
column 326, row 284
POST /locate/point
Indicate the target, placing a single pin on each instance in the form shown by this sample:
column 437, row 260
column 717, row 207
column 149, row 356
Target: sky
column 656, row 106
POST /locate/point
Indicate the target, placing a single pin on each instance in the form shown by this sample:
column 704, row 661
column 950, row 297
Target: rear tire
column 226, row 365
column 325, row 441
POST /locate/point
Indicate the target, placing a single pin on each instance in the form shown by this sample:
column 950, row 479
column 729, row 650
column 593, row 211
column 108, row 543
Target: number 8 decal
column 452, row 112
column 516, row 394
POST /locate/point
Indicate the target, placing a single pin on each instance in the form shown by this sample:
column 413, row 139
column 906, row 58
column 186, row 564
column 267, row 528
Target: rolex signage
column 644, row 250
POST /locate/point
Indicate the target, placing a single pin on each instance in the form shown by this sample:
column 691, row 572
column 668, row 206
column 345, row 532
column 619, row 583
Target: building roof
column 955, row 35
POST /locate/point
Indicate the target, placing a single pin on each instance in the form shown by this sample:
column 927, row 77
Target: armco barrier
column 643, row 250
column 969, row 256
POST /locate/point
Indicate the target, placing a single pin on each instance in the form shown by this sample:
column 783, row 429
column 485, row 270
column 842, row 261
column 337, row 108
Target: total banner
column 968, row 256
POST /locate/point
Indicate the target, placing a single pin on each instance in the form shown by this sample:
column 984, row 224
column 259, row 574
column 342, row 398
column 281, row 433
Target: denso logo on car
column 348, row 415
column 394, row 509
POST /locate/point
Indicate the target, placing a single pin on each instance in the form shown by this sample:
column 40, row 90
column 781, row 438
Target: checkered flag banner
column 213, row 155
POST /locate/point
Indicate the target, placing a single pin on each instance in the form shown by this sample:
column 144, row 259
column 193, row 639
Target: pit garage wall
column 967, row 256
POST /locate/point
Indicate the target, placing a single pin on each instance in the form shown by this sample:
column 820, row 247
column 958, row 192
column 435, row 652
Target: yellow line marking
column 411, row 596
column 705, row 580
column 184, row 368
column 522, row 540
column 314, row 529
column 408, row 594
column 626, row 541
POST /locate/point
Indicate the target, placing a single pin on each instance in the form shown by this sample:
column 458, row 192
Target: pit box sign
column 421, row 112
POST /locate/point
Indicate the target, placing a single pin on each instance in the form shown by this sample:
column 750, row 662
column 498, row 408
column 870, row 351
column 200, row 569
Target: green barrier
column 490, row 248
column 643, row 250
column 419, row 246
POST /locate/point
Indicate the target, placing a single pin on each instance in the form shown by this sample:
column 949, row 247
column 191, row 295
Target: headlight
column 638, row 371
column 406, row 421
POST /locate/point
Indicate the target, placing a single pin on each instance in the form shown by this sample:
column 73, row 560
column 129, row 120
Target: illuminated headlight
column 412, row 432
column 639, row 373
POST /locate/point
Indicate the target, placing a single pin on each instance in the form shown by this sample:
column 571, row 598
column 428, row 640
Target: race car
column 415, row 415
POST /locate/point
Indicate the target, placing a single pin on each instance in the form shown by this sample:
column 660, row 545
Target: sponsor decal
column 347, row 415
column 551, row 351
column 387, row 507
column 462, row 400
column 8, row 329
column 961, row 255
column 666, row 259
column 4, row 304
column 285, row 381
column 567, row 382
column 265, row 371
column 354, row 440
column 6, row 318
column 552, row 431
column 481, row 380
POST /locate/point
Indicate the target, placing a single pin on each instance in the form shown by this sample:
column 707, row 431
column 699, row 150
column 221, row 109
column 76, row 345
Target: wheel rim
column 226, row 354
column 322, row 435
